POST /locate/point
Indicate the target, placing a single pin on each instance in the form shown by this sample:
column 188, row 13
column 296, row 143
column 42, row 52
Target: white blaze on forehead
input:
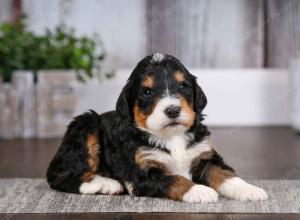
column 157, row 57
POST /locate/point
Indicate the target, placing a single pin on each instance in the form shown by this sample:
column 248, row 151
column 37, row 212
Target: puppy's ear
column 200, row 100
column 123, row 103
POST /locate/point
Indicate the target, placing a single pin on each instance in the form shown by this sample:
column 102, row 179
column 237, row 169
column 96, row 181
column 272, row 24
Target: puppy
column 154, row 144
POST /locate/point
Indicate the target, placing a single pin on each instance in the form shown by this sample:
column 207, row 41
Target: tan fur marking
column 87, row 177
column 139, row 117
column 179, row 187
column 148, row 81
column 207, row 155
column 146, row 164
column 179, row 76
column 188, row 109
column 93, row 160
column 216, row 176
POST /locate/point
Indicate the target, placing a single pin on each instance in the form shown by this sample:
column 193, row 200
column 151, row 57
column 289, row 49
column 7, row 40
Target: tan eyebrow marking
column 148, row 81
column 179, row 76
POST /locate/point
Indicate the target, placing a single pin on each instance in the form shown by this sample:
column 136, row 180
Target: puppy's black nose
column 173, row 111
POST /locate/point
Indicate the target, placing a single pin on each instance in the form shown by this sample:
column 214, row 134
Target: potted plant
column 16, row 90
column 50, row 64
column 63, row 58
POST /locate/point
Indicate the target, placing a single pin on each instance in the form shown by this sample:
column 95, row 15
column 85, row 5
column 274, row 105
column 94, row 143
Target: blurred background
column 60, row 58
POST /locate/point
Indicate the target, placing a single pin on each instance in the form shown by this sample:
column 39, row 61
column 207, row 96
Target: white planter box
column 9, row 105
column 56, row 102
column 17, row 104
column 23, row 83
column 41, row 109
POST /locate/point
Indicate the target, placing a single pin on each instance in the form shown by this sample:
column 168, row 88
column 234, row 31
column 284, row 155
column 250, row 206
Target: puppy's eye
column 147, row 92
column 183, row 85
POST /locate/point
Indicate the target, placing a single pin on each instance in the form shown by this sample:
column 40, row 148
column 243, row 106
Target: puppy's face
column 162, row 96
column 164, row 102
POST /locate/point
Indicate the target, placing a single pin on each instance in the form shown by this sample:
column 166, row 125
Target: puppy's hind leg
column 92, row 182
column 76, row 165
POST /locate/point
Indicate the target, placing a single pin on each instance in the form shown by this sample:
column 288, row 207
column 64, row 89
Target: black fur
column 119, row 137
column 201, row 168
column 69, row 163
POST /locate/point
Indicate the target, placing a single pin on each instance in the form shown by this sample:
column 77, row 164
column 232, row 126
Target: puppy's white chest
column 180, row 159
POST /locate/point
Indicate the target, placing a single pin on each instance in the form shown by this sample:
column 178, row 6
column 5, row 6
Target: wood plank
column 9, row 118
column 120, row 24
column 283, row 32
column 56, row 102
column 23, row 83
column 6, row 9
column 17, row 11
column 208, row 33
column 42, row 14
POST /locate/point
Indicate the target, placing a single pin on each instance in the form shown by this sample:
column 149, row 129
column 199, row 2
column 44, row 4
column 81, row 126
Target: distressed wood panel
column 204, row 33
column 6, row 7
column 283, row 32
column 42, row 14
column 9, row 106
column 23, row 82
column 17, row 106
column 208, row 33
column 120, row 24
column 56, row 102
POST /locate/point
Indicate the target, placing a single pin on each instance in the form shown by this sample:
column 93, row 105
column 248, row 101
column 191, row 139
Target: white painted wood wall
column 224, row 35
column 5, row 10
column 121, row 24
column 236, row 97
column 202, row 33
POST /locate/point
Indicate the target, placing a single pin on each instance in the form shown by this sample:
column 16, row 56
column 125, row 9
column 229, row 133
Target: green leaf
column 56, row 49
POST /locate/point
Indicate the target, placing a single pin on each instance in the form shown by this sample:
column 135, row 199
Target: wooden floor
column 256, row 153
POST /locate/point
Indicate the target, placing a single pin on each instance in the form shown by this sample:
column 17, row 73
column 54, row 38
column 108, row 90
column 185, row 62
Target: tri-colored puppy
column 154, row 144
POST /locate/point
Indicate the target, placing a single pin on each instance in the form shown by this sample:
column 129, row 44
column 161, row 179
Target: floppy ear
column 123, row 103
column 200, row 100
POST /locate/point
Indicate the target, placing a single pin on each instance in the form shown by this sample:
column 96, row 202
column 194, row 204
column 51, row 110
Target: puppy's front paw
column 250, row 193
column 200, row 193
column 238, row 189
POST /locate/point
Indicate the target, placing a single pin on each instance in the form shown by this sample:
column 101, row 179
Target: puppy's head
column 162, row 97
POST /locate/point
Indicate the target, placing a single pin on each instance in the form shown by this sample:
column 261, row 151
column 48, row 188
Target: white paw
column 129, row 187
column 238, row 189
column 101, row 185
column 200, row 193
column 111, row 187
